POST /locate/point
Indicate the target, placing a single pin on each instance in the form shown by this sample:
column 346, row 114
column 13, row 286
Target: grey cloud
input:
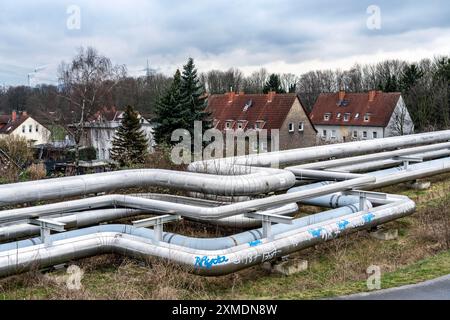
column 225, row 33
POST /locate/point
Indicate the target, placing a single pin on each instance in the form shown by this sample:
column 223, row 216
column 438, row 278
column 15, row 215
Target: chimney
column 372, row 94
column 270, row 96
column 231, row 96
column 14, row 116
column 24, row 114
column 341, row 94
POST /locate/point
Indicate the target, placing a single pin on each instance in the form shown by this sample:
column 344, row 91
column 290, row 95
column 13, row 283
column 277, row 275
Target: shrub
column 36, row 172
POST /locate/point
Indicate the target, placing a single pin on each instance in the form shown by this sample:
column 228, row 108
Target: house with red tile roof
column 232, row 112
column 23, row 125
column 343, row 116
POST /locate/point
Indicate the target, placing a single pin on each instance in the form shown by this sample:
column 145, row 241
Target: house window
column 263, row 146
column 30, row 128
column 324, row 133
column 366, row 117
column 37, row 128
column 355, row 134
column 291, row 127
column 346, row 117
column 357, row 116
column 23, row 129
column 365, row 134
column 339, row 115
column 333, row 134
column 255, row 146
column 326, row 117
column 301, row 126
column 375, row 135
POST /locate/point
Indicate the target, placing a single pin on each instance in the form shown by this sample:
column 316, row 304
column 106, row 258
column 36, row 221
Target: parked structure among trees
column 103, row 126
column 345, row 116
column 130, row 144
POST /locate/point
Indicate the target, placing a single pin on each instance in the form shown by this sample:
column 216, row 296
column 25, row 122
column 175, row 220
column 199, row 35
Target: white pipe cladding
column 203, row 262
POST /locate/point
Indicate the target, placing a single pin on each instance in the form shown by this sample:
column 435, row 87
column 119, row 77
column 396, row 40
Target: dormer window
column 240, row 125
column 366, row 117
column 347, row 117
column 259, row 125
column 228, row 124
column 327, row 116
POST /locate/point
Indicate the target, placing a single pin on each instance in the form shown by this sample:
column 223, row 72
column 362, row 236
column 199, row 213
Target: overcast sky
column 283, row 36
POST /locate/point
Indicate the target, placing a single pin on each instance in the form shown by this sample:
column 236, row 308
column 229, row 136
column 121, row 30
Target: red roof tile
column 259, row 108
column 12, row 125
column 380, row 109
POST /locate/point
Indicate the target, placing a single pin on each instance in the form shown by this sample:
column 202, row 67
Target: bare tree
column 86, row 84
column 401, row 121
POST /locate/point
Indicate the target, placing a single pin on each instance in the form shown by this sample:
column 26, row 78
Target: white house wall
column 408, row 126
column 346, row 132
column 40, row 136
column 101, row 137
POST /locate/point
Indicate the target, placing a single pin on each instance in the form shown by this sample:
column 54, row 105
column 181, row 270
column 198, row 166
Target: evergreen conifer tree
column 274, row 84
column 169, row 112
column 193, row 98
column 130, row 144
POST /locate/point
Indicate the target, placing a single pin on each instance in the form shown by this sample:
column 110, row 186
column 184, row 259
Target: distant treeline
column 424, row 85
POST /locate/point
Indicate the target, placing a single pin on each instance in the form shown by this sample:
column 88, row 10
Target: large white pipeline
column 203, row 262
column 226, row 177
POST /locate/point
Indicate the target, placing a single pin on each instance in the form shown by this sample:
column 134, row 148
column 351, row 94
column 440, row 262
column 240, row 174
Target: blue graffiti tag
column 316, row 233
column 205, row 262
column 343, row 224
column 368, row 217
column 255, row 243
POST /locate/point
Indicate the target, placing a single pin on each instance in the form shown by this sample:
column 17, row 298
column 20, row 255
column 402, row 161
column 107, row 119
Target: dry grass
column 36, row 171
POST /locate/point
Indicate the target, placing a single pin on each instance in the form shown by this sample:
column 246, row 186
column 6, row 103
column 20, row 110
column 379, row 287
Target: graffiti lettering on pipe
column 368, row 217
column 255, row 243
column 270, row 255
column 205, row 262
column 247, row 259
column 316, row 233
column 343, row 224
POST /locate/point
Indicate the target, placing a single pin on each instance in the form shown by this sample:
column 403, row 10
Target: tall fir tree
column 193, row 98
column 274, row 84
column 409, row 77
column 169, row 112
column 130, row 144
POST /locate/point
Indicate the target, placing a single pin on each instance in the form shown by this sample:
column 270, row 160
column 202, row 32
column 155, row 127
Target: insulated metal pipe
column 191, row 242
column 22, row 229
column 190, row 211
column 323, row 152
column 321, row 165
column 253, row 181
column 204, row 262
column 389, row 163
